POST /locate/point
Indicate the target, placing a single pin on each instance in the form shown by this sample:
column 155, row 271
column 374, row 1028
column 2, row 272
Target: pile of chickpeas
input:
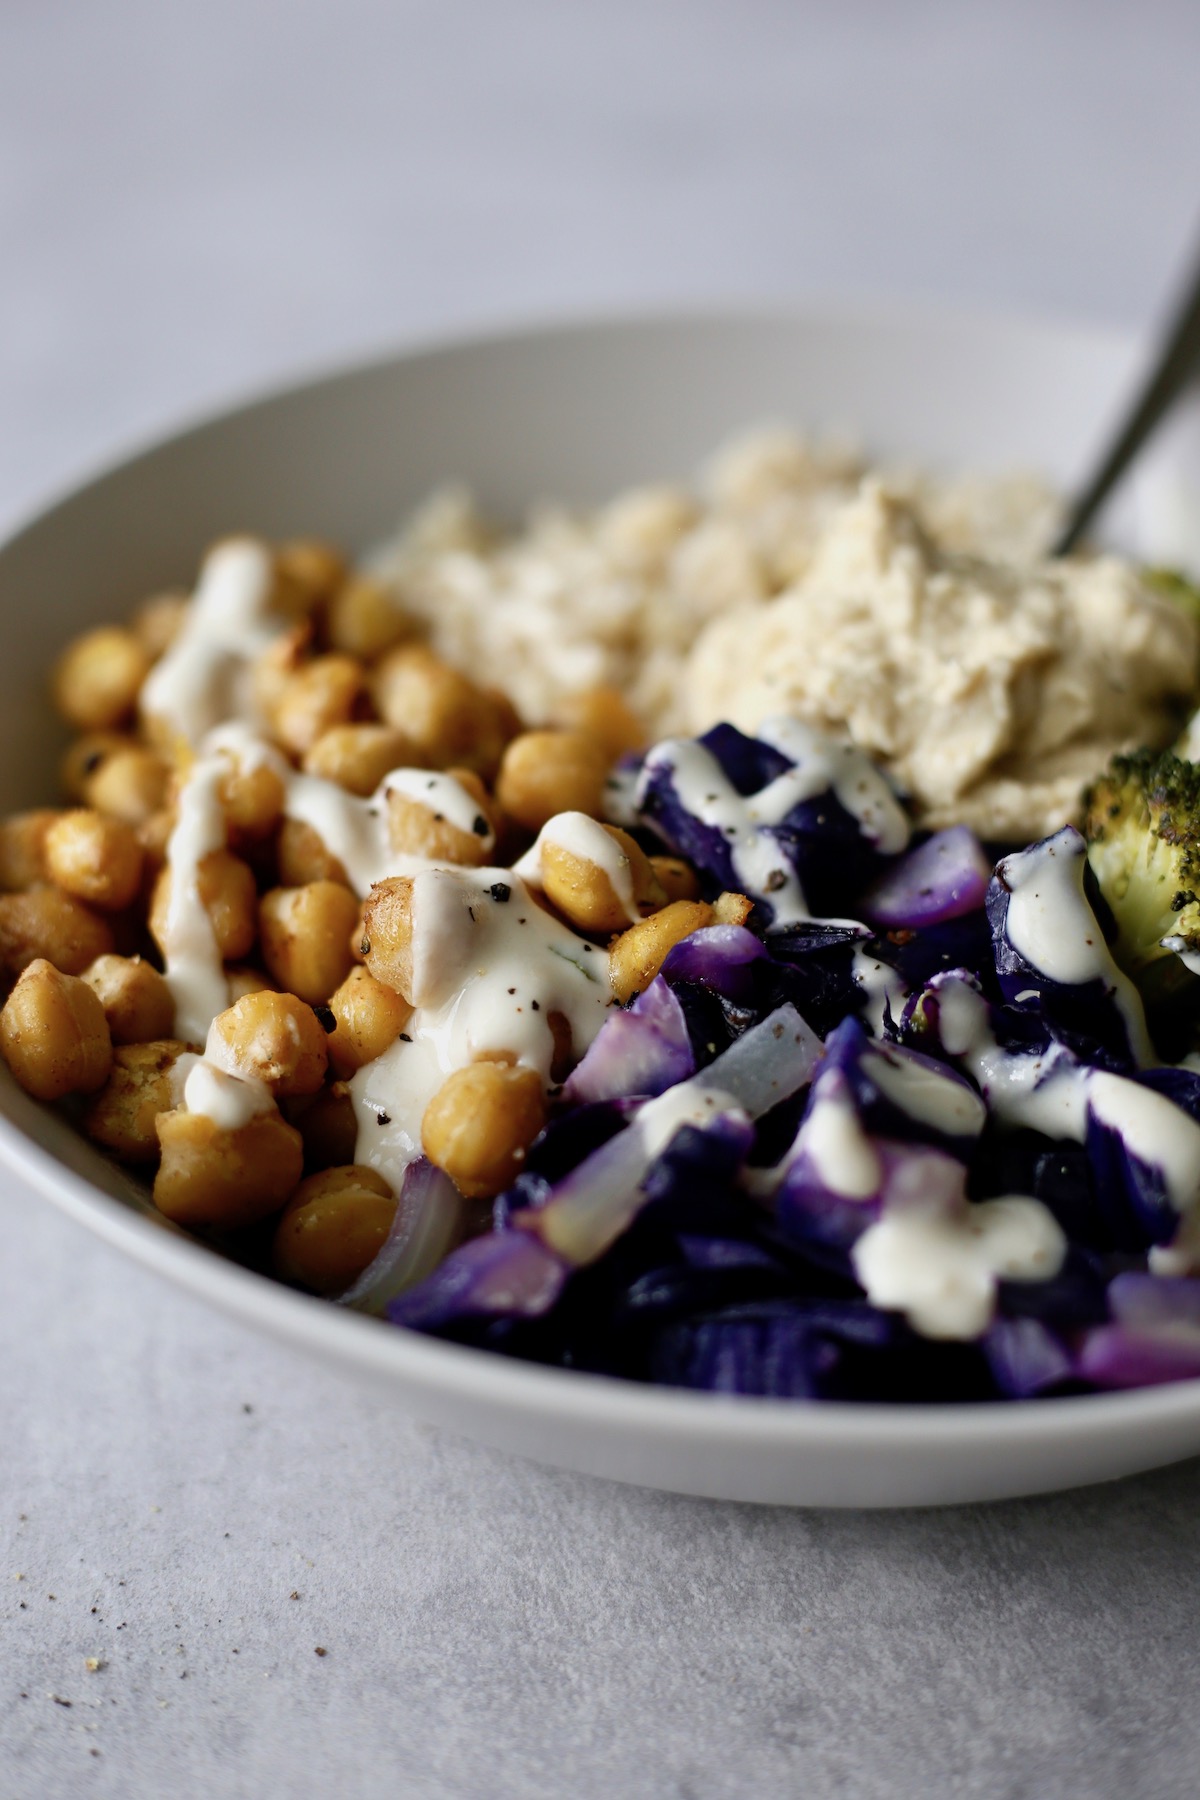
column 320, row 984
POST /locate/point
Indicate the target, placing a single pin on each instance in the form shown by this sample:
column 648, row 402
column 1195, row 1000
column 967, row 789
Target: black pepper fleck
column 364, row 948
column 382, row 1118
column 404, row 1038
column 535, row 1006
column 325, row 1016
column 439, row 818
column 775, row 880
column 480, row 827
column 500, row 891
column 471, row 911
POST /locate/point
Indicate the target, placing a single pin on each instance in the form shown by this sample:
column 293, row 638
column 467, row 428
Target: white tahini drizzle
column 939, row 1265
column 490, row 967
column 1051, row 925
column 821, row 766
column 195, row 973
column 577, row 834
column 204, row 677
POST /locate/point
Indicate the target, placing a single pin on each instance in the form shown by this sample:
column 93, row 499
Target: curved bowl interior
column 577, row 412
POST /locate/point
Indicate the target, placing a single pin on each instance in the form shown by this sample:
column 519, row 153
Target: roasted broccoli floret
column 1142, row 824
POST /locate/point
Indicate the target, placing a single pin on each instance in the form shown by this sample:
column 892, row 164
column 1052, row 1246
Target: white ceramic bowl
column 576, row 412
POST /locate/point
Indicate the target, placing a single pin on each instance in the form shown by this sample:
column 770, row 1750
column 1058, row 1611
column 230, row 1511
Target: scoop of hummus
column 990, row 692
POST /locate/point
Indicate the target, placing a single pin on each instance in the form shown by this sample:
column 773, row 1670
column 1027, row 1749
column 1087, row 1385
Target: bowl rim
column 403, row 1358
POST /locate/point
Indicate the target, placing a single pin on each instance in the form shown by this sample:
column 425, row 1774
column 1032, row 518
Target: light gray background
column 208, row 194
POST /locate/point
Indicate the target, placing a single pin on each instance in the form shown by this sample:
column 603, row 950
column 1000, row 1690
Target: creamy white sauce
column 1051, row 925
column 205, row 675
column 926, row 1094
column 487, row 974
column 577, row 834
column 939, row 1264
column 228, row 1099
column 194, row 970
column 832, row 1137
column 885, row 991
column 820, row 766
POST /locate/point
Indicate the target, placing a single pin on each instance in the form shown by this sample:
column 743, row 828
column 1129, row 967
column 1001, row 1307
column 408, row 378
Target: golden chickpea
column 301, row 856
column 225, row 1179
column 154, row 834
column 122, row 1118
column 53, row 1035
column 85, row 756
column 602, row 713
column 45, row 922
column 252, row 801
column 358, row 757
column 387, row 933
column 635, row 957
column 307, row 572
column 276, row 1039
column 451, row 721
column 23, row 848
column 129, row 783
column 677, row 878
column 97, row 678
column 731, row 909
column 480, row 1123
column 228, row 895
column 334, row 1225
column 277, row 665
column 157, row 622
column 305, row 935
column 243, row 979
column 418, row 825
column 328, row 1126
column 322, row 694
column 363, row 620
column 369, row 1018
column 96, row 858
column 138, row 1004
column 548, row 772
column 583, row 891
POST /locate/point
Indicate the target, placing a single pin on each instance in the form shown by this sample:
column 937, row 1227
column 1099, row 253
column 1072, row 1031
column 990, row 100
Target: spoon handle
column 1176, row 367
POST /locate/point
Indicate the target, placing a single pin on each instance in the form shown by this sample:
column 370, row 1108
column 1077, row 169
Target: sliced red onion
column 643, row 1051
column 941, row 879
column 506, row 1274
column 594, row 1204
column 430, row 1218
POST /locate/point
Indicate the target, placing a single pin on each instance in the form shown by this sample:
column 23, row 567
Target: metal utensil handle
column 1176, row 367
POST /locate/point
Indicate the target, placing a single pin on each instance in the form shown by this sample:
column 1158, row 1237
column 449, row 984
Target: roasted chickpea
column 228, row 895
column 419, row 823
column 273, row 1038
column 157, row 622
column 23, row 848
column 320, row 695
column 301, row 856
column 387, row 933
column 369, row 1017
column 97, row 678
column 278, row 663
column 451, row 721
column 583, row 888
column 252, row 801
column 358, row 757
column 334, row 1225
column 243, row 979
column 307, row 572
column 328, row 1126
column 45, row 922
column 53, row 1034
column 677, row 878
column 96, row 858
column 122, row 1118
column 548, row 772
column 82, row 758
column 480, row 1123
column 138, row 1004
column 129, row 783
column 363, row 620
column 602, row 713
column 225, row 1179
column 305, row 935
column 635, row 957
